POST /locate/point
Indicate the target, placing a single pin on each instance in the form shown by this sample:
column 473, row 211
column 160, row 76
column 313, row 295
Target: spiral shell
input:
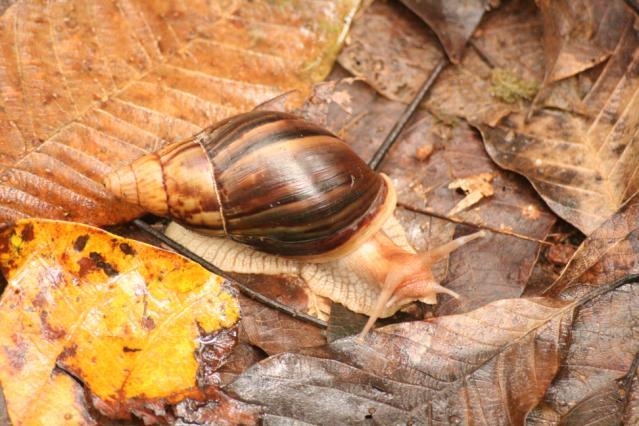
column 266, row 179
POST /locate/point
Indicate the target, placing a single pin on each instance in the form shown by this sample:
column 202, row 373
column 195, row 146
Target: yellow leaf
column 124, row 317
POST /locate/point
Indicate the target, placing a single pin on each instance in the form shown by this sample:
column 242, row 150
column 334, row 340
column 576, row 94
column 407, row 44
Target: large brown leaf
column 398, row 68
column 595, row 377
column 584, row 168
column 392, row 49
column 89, row 86
column 488, row 366
column 452, row 20
column 579, row 34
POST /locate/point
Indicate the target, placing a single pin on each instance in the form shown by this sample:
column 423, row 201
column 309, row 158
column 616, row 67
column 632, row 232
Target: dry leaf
column 593, row 385
column 585, row 169
column 398, row 66
column 392, row 50
column 121, row 316
column 489, row 366
column 454, row 21
column 88, row 87
column 579, row 34
column 475, row 188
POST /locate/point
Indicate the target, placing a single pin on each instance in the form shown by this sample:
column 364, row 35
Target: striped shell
column 266, row 179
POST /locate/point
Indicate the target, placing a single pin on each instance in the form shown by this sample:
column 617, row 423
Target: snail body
column 288, row 188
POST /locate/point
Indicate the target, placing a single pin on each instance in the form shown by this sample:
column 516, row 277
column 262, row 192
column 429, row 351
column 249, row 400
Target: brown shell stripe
column 288, row 186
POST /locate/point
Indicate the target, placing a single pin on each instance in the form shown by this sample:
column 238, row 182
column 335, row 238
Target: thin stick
column 391, row 138
column 244, row 289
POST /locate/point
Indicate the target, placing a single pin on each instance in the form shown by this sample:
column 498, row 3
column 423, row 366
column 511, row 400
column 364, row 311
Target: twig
column 462, row 222
column 244, row 289
column 391, row 138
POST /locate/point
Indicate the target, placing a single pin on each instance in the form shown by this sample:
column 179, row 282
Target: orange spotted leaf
column 123, row 317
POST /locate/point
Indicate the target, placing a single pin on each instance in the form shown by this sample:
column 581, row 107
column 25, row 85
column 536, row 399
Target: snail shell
column 267, row 179
column 284, row 186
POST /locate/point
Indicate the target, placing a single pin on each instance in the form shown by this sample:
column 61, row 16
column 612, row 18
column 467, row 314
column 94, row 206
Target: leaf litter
column 526, row 78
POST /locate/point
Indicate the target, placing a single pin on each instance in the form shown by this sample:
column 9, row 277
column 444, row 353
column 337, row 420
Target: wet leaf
column 273, row 331
column 608, row 254
column 121, row 316
column 584, row 168
column 392, row 49
column 88, row 87
column 453, row 21
column 398, row 68
column 593, row 383
column 489, row 365
column 580, row 34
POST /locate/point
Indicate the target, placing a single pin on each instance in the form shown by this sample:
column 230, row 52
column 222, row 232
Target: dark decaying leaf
column 608, row 254
column 462, row 90
column 271, row 330
column 579, row 34
column 410, row 52
column 584, row 168
column 343, row 323
column 90, row 86
column 454, row 21
column 241, row 357
column 592, row 385
column 510, row 38
column 594, row 382
column 489, row 365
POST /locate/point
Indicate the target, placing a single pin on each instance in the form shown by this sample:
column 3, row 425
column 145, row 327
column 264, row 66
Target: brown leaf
column 392, row 49
column 585, row 169
column 241, row 357
column 594, row 380
column 453, row 21
column 579, row 34
column 608, row 254
column 398, row 67
column 510, row 38
column 91, row 86
column 271, row 330
column 488, row 366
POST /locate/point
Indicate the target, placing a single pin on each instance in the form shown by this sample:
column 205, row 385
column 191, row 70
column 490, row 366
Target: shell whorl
column 266, row 179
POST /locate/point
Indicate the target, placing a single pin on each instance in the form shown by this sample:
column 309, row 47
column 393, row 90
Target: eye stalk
column 403, row 276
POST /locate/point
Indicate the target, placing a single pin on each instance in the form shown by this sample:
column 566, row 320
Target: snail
column 268, row 192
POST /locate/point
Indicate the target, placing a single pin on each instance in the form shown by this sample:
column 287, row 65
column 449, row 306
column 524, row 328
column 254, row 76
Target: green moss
column 510, row 88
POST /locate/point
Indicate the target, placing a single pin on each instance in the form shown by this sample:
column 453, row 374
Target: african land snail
column 286, row 187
